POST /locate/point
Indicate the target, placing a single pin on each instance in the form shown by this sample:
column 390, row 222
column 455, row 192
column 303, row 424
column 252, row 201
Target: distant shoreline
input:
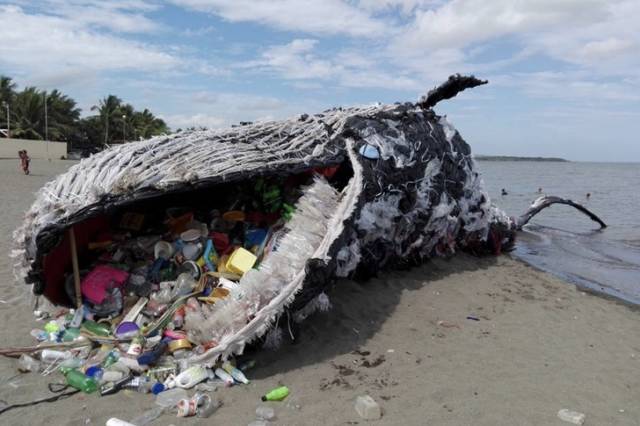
column 513, row 158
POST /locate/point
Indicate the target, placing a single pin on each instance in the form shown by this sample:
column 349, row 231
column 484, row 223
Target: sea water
column 563, row 241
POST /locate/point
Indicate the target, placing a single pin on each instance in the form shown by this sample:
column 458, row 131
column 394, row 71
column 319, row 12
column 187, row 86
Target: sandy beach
column 537, row 345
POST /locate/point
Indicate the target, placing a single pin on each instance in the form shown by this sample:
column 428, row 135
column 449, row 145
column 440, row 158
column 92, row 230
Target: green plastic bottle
column 81, row 382
column 99, row 329
column 277, row 394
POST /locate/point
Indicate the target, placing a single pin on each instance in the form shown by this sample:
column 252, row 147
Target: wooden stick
column 76, row 269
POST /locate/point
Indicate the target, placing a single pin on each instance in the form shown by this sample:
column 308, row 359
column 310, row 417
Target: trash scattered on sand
column 151, row 287
column 571, row 416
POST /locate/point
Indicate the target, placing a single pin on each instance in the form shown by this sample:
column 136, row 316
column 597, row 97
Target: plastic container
column 571, row 416
column 169, row 398
column 135, row 348
column 191, row 377
column 152, row 356
column 39, row 335
column 265, row 413
column 367, row 408
column 240, row 261
column 27, row 364
column 79, row 381
column 113, row 421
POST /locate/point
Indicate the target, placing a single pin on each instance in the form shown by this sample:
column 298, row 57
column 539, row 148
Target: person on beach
column 24, row 161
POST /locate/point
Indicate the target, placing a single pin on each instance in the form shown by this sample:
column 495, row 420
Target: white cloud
column 310, row 16
column 125, row 16
column 67, row 47
column 298, row 60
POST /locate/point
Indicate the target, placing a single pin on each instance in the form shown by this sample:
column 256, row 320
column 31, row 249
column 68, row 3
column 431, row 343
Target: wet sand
column 539, row 345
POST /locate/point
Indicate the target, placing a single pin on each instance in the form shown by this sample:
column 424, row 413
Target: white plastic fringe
column 258, row 287
column 263, row 294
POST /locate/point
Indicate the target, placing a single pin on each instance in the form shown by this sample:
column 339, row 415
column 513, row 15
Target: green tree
column 28, row 114
column 108, row 109
column 7, row 94
column 63, row 116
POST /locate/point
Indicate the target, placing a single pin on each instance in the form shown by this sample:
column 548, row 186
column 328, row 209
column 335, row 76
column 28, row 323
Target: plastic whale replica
column 410, row 190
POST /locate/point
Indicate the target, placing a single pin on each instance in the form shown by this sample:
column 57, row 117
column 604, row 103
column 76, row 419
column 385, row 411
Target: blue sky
column 564, row 74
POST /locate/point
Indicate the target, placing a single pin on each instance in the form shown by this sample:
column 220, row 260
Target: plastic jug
column 191, row 377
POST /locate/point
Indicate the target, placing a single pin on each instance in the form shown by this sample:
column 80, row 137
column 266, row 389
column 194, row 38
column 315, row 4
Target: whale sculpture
column 407, row 189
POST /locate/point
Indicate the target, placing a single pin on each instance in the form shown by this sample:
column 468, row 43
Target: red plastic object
column 99, row 280
column 220, row 241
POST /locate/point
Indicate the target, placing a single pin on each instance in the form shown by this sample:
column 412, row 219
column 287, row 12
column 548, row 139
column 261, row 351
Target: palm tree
column 28, row 114
column 108, row 109
column 7, row 93
column 63, row 116
column 147, row 125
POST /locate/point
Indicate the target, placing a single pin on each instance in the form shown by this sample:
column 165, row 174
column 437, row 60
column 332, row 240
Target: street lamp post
column 6, row 105
column 124, row 137
column 46, row 125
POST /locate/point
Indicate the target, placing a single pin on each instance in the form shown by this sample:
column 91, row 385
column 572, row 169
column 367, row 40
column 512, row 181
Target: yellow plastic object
column 175, row 345
column 234, row 216
column 240, row 261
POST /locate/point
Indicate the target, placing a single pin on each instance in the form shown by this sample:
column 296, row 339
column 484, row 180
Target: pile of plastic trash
column 144, row 289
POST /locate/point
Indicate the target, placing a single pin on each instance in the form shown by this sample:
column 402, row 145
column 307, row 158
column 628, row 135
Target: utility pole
column 46, row 125
column 6, row 105
column 124, row 137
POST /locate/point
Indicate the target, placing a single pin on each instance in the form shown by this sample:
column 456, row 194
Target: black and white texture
column 414, row 192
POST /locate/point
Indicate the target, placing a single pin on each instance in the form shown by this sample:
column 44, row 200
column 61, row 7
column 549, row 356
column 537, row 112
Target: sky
column 564, row 75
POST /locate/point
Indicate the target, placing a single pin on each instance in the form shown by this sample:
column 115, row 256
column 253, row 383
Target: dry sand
column 540, row 345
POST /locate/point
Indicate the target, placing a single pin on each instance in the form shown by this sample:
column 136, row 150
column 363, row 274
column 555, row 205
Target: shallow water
column 563, row 241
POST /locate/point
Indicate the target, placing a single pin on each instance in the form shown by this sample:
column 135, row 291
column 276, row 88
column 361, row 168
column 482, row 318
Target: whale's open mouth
column 299, row 224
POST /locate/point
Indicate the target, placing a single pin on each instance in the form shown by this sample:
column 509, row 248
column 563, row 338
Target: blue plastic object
column 207, row 255
column 254, row 237
column 157, row 388
column 369, row 151
column 152, row 356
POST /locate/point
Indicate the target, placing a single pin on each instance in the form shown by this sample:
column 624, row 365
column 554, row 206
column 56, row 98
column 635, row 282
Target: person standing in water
column 24, row 161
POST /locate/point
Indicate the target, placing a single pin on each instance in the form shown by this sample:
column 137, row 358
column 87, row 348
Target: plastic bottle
column 78, row 316
column 79, row 381
column 50, row 355
column 99, row 329
column 237, row 375
column 191, row 376
column 148, row 416
column 111, row 388
column 141, row 383
column 224, row 376
column 277, row 394
column 71, row 334
column 111, row 358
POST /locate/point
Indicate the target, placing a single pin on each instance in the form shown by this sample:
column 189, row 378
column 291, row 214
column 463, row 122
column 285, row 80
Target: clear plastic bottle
column 148, row 416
